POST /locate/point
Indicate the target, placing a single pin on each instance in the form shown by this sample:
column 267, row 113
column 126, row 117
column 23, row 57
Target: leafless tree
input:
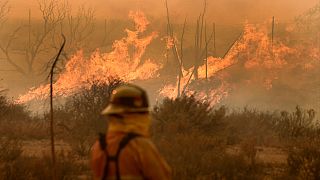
column 53, row 13
column 201, row 44
column 178, row 55
column 107, row 31
column 78, row 27
column 4, row 10
column 309, row 21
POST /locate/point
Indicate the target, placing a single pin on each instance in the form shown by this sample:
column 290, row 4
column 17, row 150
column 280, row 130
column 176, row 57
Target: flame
column 257, row 52
column 254, row 52
column 81, row 72
column 169, row 41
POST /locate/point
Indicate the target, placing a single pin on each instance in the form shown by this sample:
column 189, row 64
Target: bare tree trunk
column 272, row 34
column 232, row 45
column 198, row 39
column 206, row 40
column 175, row 49
column 29, row 31
column 54, row 170
column 181, row 58
column 214, row 40
column 194, row 70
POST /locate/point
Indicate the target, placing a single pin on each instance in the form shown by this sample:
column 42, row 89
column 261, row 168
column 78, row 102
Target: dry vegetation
column 199, row 141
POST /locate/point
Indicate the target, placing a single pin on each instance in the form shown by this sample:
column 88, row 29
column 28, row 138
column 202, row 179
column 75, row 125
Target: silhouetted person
column 126, row 152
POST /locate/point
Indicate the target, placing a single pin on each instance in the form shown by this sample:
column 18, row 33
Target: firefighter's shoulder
column 153, row 164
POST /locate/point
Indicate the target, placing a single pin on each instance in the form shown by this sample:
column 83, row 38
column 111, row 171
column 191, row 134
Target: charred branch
column 178, row 57
column 51, row 110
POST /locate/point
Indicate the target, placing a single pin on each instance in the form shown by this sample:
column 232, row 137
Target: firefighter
column 126, row 152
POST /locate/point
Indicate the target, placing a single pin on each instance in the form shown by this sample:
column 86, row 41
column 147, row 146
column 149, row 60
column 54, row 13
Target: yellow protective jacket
column 139, row 159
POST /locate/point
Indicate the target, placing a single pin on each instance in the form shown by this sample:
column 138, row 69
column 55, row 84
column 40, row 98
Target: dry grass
column 198, row 141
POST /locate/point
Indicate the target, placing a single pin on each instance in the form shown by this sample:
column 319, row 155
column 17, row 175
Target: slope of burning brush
column 81, row 72
column 253, row 60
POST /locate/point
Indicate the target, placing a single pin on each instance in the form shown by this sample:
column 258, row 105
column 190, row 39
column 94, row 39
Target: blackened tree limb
column 51, row 110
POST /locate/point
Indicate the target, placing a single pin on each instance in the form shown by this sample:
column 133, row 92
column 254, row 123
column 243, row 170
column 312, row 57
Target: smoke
column 257, row 86
column 219, row 11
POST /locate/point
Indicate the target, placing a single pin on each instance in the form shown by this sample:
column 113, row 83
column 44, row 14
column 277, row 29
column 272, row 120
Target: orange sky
column 221, row 11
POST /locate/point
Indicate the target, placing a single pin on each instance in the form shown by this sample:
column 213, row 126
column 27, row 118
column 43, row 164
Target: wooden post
column 181, row 58
column 196, row 55
column 29, row 29
column 214, row 40
column 198, row 39
column 105, row 30
column 206, row 40
column 272, row 33
column 319, row 60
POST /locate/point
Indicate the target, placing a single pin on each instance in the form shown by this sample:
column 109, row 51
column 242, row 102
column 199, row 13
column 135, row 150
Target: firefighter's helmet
column 127, row 99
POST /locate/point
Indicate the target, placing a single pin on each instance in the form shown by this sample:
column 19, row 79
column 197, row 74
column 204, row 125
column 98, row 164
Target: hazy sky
column 221, row 11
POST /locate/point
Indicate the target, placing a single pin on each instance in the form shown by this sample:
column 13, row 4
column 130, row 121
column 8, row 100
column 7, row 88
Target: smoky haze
column 229, row 16
column 219, row 11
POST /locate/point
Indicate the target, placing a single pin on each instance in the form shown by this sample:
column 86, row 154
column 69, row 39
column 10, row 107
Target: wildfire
column 254, row 49
column 81, row 72
column 254, row 52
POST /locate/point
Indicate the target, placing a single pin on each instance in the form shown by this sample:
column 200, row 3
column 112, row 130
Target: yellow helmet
column 127, row 99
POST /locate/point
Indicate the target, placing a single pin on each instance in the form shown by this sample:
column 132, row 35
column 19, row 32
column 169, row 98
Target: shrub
column 15, row 120
column 80, row 116
column 10, row 149
column 11, row 111
column 41, row 168
column 245, row 124
column 182, row 114
column 3, row 105
column 304, row 161
column 189, row 134
column 300, row 123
